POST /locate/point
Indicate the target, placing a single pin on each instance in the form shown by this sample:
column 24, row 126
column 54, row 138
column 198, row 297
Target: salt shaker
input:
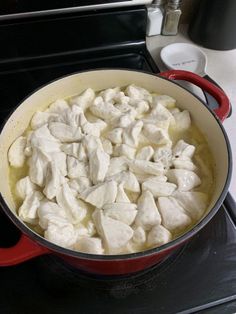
column 155, row 14
column 171, row 18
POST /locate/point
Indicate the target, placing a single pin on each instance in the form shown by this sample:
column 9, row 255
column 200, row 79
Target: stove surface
column 200, row 277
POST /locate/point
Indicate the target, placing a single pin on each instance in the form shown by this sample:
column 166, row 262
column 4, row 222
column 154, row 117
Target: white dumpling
column 107, row 146
column 144, row 166
column 117, row 165
column 184, row 164
column 158, row 187
column 28, row 210
column 79, row 184
column 139, row 236
column 158, row 236
column 64, row 132
column 95, row 128
column 59, row 159
column 164, row 100
column 174, row 218
column 182, row 120
column 155, row 134
column 100, row 194
column 138, row 93
column 185, row 179
column 75, row 209
column 145, row 153
column 140, row 106
column 63, row 234
column 76, row 150
column 38, row 164
column 76, row 168
column 125, row 212
column 130, row 134
column 195, row 203
column 163, row 154
column 24, row 187
column 128, row 179
column 16, row 154
column 183, row 150
column 110, row 94
column 91, row 143
column 121, row 196
column 59, row 106
column 144, row 177
column 148, row 214
column 98, row 165
column 124, row 150
column 115, row 135
column 125, row 119
column 42, row 117
column 114, row 233
column 104, row 110
column 89, row 245
column 84, row 100
column 50, row 211
column 53, row 181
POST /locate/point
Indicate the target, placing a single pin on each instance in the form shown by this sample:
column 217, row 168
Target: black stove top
column 200, row 277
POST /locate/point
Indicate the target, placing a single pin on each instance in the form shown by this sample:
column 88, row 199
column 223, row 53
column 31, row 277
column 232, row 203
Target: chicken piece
column 89, row 245
column 58, row 107
column 158, row 187
column 131, row 133
column 121, row 196
column 40, row 118
column 16, row 154
column 145, row 153
column 84, row 100
column 53, row 181
column 100, row 194
column 64, row 132
column 117, row 165
column 138, row 93
column 50, row 212
column 114, row 233
column 174, row 218
column 62, row 234
column 128, row 179
column 38, row 164
column 107, row 146
column 183, row 150
column 163, row 154
column 124, row 150
column 115, row 136
column 158, row 236
column 148, row 214
column 182, row 120
column 185, row 179
column 75, row 209
column 139, row 236
column 164, row 100
column 28, row 210
column 42, row 139
column 76, row 150
column 79, row 184
column 91, row 143
column 76, row 168
column 156, row 135
column 194, row 203
column 104, row 110
column 144, row 166
column 184, row 164
column 125, row 212
column 24, row 187
column 98, row 165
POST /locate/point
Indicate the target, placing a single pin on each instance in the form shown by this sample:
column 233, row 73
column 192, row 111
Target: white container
column 155, row 15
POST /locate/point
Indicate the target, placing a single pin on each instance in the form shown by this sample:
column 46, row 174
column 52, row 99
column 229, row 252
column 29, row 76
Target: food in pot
column 111, row 172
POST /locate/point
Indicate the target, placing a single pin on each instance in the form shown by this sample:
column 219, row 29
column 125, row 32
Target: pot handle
column 24, row 250
column 224, row 104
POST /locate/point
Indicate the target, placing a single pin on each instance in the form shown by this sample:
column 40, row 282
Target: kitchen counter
column 221, row 67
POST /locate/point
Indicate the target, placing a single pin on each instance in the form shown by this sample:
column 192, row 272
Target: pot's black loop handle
column 211, row 101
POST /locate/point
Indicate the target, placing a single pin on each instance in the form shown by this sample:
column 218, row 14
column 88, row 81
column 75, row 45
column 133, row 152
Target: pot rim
column 130, row 256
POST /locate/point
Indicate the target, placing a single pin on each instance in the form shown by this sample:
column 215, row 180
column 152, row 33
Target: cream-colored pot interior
column 102, row 79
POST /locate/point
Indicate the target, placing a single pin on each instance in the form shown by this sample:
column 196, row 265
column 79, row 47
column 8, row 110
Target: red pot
column 31, row 244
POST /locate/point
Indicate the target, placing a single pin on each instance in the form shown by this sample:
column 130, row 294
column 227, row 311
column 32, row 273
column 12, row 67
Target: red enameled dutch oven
column 31, row 244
